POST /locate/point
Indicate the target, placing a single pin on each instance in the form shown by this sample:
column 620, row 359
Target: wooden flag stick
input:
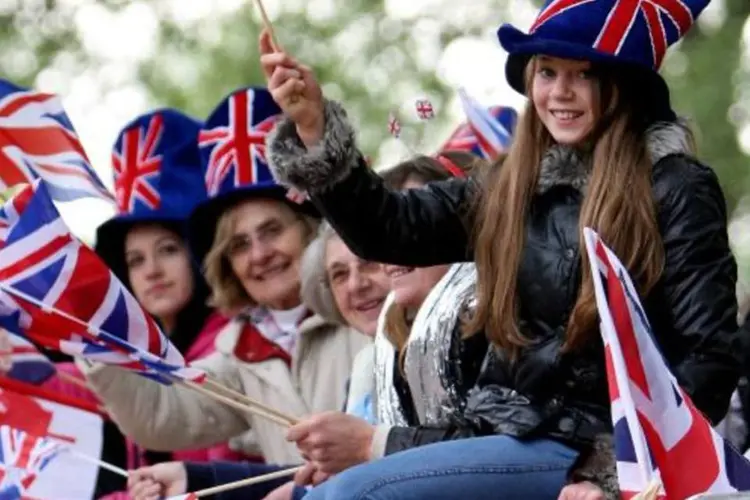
column 294, row 98
column 232, row 403
column 246, row 482
column 214, row 385
column 650, row 493
column 268, row 26
column 104, row 465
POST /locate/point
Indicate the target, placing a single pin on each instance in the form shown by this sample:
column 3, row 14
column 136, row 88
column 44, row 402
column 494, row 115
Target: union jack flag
column 239, row 147
column 65, row 298
column 394, row 125
column 37, row 140
column 137, row 166
column 425, row 111
column 22, row 458
column 28, row 364
column 658, row 432
column 665, row 20
column 486, row 133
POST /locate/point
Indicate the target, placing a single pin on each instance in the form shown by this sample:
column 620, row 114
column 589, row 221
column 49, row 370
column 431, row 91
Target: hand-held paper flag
column 38, row 141
column 487, row 133
column 69, row 300
column 425, row 110
column 655, row 422
column 22, row 458
column 61, row 295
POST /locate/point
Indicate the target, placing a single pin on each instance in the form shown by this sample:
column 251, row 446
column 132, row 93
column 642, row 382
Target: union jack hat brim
column 521, row 47
column 202, row 222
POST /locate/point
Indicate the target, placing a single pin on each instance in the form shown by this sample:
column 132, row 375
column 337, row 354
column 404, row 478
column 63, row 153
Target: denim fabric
column 495, row 467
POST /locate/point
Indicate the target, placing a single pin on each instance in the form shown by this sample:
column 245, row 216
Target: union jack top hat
column 634, row 34
column 233, row 152
column 157, row 174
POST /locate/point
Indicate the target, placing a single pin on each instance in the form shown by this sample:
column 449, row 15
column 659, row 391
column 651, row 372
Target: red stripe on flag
column 20, row 102
column 681, row 474
column 614, row 391
column 618, row 306
column 86, row 288
column 51, row 248
column 42, row 393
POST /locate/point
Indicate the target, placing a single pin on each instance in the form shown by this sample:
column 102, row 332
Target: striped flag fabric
column 659, row 434
column 38, row 141
column 63, row 297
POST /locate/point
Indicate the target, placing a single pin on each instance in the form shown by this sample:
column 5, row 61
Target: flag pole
column 104, row 465
column 294, row 98
column 268, row 26
column 246, row 482
column 651, row 492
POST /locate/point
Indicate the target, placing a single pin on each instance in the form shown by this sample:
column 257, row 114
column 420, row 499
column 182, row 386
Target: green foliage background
column 369, row 58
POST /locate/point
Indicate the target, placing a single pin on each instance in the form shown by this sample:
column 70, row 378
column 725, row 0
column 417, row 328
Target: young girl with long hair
column 597, row 146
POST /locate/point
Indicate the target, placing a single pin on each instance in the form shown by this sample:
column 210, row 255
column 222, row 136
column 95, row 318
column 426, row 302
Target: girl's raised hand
column 295, row 90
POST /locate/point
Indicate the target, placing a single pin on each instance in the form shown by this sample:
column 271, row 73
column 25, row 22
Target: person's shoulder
column 680, row 177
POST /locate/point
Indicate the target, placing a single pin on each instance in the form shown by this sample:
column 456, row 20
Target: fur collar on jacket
column 563, row 165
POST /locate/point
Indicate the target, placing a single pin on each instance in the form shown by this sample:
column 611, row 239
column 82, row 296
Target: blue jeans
column 494, row 467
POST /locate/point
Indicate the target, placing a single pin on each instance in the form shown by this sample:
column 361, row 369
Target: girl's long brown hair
column 618, row 204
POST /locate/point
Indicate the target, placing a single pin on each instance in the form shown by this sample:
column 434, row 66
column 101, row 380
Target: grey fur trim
column 563, row 165
column 598, row 467
column 322, row 166
column 668, row 138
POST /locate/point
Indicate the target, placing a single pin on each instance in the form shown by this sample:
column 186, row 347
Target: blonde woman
column 275, row 350
column 338, row 286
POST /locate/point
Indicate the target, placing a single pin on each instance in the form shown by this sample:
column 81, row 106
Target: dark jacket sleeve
column 699, row 281
column 207, row 475
column 419, row 227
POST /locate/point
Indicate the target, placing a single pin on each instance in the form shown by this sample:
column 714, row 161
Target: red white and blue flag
column 27, row 363
column 38, row 141
column 65, row 298
column 659, row 434
column 487, row 133
column 22, row 458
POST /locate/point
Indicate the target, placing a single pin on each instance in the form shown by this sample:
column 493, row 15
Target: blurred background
column 114, row 59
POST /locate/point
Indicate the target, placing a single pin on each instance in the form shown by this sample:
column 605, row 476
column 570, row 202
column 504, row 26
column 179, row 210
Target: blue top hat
column 634, row 34
column 158, row 178
column 233, row 151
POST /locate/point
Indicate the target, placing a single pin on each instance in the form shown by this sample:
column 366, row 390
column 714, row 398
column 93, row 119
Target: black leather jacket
column 692, row 309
